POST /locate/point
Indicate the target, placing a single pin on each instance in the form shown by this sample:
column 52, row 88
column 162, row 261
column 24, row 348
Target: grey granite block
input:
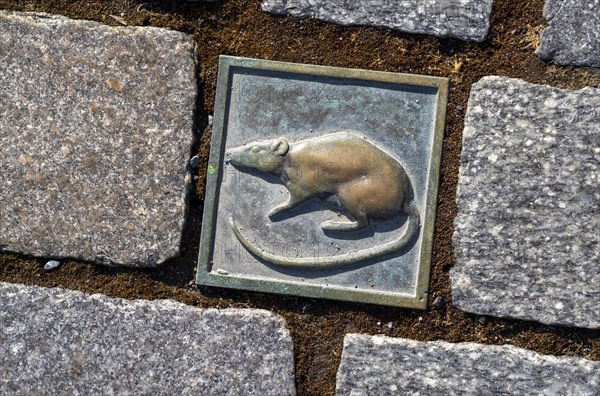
column 375, row 365
column 527, row 234
column 572, row 36
column 463, row 19
column 96, row 125
column 58, row 342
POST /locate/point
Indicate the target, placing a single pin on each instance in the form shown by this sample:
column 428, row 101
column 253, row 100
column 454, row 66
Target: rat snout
column 233, row 157
column 227, row 156
column 240, row 157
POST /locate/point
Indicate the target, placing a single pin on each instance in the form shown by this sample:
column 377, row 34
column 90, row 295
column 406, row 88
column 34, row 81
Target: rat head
column 266, row 156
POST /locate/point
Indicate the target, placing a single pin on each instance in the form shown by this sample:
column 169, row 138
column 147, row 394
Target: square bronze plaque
column 322, row 182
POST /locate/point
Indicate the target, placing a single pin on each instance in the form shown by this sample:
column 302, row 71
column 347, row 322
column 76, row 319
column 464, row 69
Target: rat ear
column 281, row 147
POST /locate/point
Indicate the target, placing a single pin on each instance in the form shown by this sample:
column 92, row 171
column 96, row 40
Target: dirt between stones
column 239, row 27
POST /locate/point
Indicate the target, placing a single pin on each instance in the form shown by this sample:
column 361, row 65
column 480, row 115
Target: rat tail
column 340, row 260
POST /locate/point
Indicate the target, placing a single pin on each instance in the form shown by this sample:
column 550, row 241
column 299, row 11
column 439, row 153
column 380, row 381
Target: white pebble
column 52, row 264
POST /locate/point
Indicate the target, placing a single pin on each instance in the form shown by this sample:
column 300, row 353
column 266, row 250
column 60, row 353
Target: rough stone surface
column 60, row 342
column 572, row 36
column 375, row 365
column 95, row 133
column 464, row 19
column 527, row 235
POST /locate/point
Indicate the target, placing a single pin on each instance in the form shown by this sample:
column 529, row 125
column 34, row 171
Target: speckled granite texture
column 58, row 342
column 376, row 365
column 572, row 36
column 96, row 126
column 527, row 234
column 464, row 19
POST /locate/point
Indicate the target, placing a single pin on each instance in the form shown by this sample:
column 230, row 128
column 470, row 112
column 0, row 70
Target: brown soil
column 238, row 27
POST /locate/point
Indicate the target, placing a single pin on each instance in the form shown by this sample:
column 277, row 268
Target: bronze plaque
column 322, row 182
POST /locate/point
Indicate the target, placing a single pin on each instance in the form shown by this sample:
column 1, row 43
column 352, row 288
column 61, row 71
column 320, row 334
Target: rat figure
column 344, row 169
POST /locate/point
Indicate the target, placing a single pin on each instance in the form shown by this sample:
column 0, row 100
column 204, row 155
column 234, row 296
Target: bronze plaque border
column 205, row 277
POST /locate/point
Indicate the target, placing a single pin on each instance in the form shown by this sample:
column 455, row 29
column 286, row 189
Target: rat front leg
column 296, row 196
column 290, row 203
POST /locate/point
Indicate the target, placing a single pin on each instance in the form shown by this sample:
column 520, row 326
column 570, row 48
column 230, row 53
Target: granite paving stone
column 572, row 36
column 463, row 19
column 59, row 342
column 527, row 234
column 377, row 365
column 96, row 127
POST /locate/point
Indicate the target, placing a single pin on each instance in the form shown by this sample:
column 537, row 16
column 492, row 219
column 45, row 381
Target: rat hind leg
column 332, row 201
column 353, row 206
column 361, row 222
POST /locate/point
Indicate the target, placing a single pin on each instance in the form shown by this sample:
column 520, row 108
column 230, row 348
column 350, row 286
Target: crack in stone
column 551, row 15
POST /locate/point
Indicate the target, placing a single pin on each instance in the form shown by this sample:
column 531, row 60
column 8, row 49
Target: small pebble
column 210, row 120
column 194, row 161
column 459, row 108
column 52, row 264
column 482, row 319
column 222, row 272
column 438, row 303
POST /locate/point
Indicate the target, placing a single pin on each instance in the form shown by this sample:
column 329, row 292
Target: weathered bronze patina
column 344, row 170
column 322, row 182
